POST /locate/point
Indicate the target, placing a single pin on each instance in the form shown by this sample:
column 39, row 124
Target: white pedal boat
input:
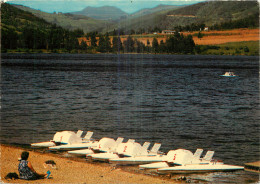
column 75, row 142
column 73, row 146
column 60, row 138
column 102, row 156
column 186, row 162
column 200, row 168
column 82, row 152
column 155, row 165
column 176, row 157
column 145, row 157
column 46, row 144
column 136, row 160
column 105, row 156
column 104, row 145
column 127, row 149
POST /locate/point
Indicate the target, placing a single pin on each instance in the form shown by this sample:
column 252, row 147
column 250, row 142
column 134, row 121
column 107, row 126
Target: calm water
column 179, row 101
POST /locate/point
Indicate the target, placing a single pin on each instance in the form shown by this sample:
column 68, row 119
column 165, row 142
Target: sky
column 65, row 6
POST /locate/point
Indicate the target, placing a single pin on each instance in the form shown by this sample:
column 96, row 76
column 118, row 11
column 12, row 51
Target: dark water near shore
column 179, row 101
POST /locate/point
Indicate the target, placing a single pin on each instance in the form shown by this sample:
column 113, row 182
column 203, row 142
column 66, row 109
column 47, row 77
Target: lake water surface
column 179, row 101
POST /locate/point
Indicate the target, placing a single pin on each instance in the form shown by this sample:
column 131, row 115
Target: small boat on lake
column 229, row 74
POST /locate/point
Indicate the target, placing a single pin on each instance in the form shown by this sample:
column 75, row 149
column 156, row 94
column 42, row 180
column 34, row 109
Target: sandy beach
column 69, row 170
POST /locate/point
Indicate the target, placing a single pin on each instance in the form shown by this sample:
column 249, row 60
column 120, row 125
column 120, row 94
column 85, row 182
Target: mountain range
column 208, row 13
column 109, row 18
column 102, row 13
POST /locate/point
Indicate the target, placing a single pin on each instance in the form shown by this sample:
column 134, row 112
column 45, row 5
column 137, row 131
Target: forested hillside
column 23, row 30
column 68, row 20
column 157, row 9
column 208, row 14
column 213, row 14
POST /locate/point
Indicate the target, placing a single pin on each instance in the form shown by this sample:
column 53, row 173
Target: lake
column 180, row 101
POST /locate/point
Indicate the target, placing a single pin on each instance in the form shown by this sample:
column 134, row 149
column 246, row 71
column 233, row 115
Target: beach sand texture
column 70, row 171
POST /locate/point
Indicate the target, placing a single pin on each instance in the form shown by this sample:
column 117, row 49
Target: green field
column 250, row 48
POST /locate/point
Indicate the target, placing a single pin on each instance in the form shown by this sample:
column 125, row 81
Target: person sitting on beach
column 26, row 170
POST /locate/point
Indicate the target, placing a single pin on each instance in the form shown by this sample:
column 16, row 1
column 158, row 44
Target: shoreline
column 71, row 170
column 243, row 48
column 230, row 42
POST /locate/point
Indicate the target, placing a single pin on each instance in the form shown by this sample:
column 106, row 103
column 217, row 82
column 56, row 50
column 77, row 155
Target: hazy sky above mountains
column 129, row 6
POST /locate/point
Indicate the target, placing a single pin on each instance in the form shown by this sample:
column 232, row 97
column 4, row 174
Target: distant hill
column 145, row 20
column 213, row 12
column 208, row 13
column 102, row 13
column 162, row 17
column 158, row 8
column 67, row 20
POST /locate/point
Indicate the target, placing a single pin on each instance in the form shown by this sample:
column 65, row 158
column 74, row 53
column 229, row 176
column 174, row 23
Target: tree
column 180, row 44
column 140, row 47
column 162, row 47
column 71, row 41
column 101, row 44
column 189, row 44
column 246, row 49
column 200, row 35
column 129, row 44
column 78, row 32
column 107, row 43
column 155, row 45
column 148, row 42
column 93, row 39
column 83, row 45
column 9, row 39
column 55, row 37
column 117, row 44
column 132, row 32
column 104, row 44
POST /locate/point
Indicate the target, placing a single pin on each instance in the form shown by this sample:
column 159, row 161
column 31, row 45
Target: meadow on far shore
column 242, row 41
column 212, row 37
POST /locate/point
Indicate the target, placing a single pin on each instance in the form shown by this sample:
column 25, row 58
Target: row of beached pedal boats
column 133, row 153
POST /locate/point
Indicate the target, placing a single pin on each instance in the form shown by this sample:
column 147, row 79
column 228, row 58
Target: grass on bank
column 249, row 48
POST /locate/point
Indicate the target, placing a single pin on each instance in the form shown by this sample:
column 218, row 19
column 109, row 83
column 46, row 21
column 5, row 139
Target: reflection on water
column 179, row 101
